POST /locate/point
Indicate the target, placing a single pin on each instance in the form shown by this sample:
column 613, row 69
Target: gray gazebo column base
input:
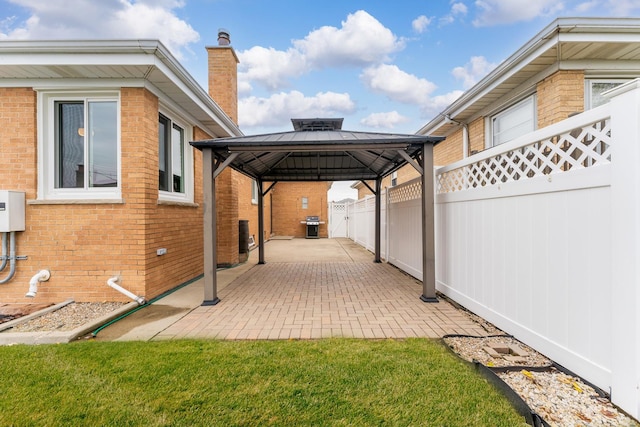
column 210, row 237
column 428, row 225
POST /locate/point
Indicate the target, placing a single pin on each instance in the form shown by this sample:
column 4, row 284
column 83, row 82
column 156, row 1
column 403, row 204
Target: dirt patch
column 10, row 312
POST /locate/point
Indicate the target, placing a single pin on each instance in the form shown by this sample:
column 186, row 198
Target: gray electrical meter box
column 11, row 211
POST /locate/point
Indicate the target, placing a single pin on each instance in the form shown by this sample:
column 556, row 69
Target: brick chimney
column 223, row 75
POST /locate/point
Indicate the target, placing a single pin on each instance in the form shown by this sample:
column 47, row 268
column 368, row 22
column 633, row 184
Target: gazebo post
column 260, row 223
column 428, row 225
column 377, row 221
column 210, row 235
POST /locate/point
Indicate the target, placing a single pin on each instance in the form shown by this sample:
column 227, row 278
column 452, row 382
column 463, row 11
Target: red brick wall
column 247, row 210
column 287, row 207
column 223, row 79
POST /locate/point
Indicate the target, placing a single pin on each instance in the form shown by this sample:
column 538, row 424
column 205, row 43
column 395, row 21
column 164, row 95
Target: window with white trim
column 175, row 170
column 394, row 179
column 594, row 88
column 254, row 191
column 80, row 146
column 305, row 203
column 517, row 120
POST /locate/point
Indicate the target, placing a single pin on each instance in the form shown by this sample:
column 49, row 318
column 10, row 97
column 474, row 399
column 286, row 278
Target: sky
column 383, row 66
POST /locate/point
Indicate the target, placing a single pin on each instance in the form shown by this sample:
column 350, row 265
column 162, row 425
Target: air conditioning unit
column 12, row 207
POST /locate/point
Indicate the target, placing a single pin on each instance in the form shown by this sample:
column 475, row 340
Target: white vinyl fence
column 362, row 220
column 541, row 236
column 338, row 219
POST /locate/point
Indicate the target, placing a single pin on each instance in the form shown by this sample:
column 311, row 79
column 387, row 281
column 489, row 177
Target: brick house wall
column 233, row 189
column 559, row 96
column 288, row 211
column 449, row 150
column 85, row 243
column 476, row 135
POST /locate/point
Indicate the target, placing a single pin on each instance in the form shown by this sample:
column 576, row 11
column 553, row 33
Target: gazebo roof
column 327, row 154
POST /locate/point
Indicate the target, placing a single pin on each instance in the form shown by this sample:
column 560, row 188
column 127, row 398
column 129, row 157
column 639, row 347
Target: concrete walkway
column 308, row 288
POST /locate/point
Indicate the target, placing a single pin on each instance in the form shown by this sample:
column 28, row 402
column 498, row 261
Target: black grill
column 313, row 225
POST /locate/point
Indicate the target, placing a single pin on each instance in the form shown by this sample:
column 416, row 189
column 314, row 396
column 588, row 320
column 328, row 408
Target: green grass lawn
column 187, row 383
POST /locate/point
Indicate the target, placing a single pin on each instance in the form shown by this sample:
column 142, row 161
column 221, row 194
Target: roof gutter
column 141, row 46
column 169, row 60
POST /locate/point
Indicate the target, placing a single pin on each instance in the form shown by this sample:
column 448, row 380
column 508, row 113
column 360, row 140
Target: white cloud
column 281, row 107
column 587, row 6
column 623, row 7
column 396, row 84
column 270, row 67
column 387, row 120
column 420, row 24
column 361, row 41
column 440, row 102
column 87, row 19
column 473, row 71
column 406, row 88
column 458, row 10
column 497, row 12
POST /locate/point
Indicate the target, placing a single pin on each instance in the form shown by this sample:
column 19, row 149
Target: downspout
column 41, row 276
column 112, row 282
column 4, row 257
column 12, row 257
column 466, row 144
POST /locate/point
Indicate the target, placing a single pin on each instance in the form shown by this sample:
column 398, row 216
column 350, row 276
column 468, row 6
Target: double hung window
column 175, row 174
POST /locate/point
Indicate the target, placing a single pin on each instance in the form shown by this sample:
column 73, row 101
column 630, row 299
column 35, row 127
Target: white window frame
column 305, row 203
column 588, row 89
column 47, row 147
column 506, row 111
column 394, row 178
column 254, row 192
column 187, row 196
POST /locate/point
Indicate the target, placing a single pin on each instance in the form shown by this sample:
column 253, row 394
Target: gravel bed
column 473, row 348
column 564, row 400
column 68, row 317
column 560, row 399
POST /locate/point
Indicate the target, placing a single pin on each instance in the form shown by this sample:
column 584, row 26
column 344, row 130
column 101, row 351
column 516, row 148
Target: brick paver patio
column 320, row 299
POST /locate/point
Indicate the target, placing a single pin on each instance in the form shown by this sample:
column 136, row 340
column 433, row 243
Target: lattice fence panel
column 581, row 148
column 403, row 193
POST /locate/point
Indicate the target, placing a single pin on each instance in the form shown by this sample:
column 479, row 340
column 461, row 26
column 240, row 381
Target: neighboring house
column 562, row 71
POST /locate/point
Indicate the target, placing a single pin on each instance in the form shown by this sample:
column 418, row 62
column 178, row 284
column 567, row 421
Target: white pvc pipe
column 112, row 282
column 40, row 276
